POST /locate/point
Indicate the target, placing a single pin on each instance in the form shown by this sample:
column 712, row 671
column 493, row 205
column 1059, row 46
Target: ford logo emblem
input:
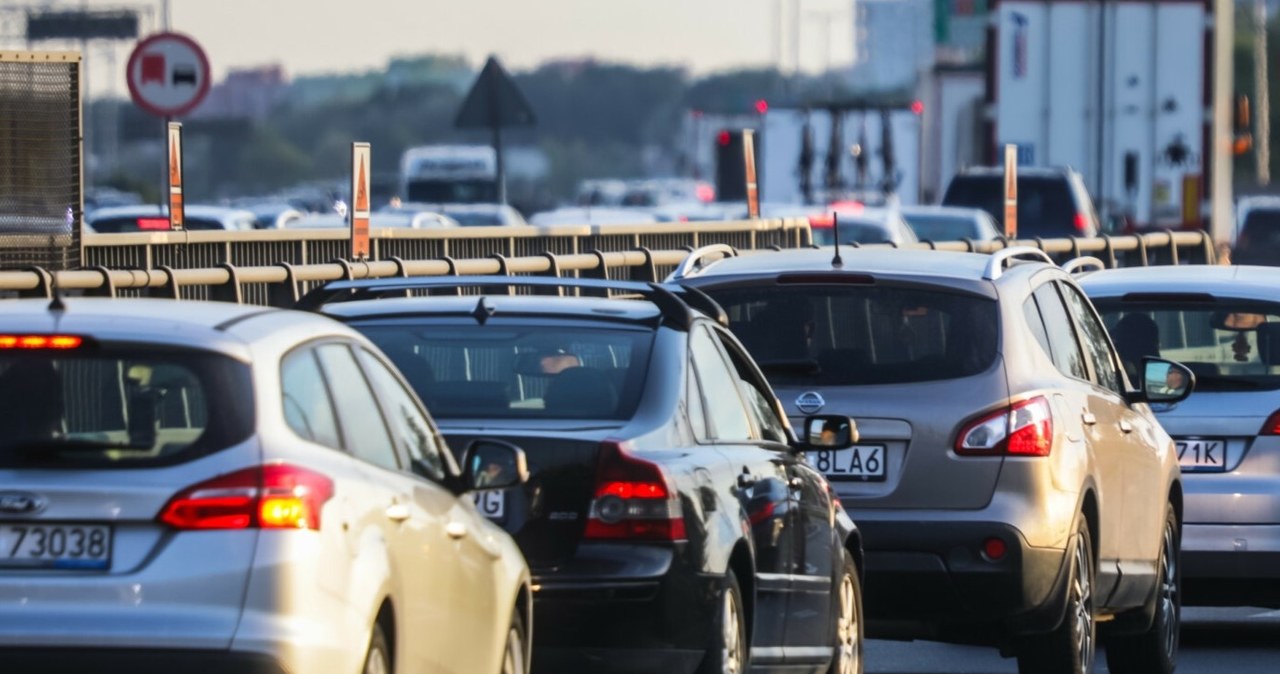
column 810, row 402
column 20, row 503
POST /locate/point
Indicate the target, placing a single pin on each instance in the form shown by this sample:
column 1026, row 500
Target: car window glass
column 695, row 409
column 1066, row 352
column 416, row 433
column 720, row 388
column 759, row 408
column 1036, row 323
column 307, row 407
column 362, row 423
column 1096, row 341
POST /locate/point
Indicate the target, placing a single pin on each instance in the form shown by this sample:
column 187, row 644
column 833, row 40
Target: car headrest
column 1269, row 343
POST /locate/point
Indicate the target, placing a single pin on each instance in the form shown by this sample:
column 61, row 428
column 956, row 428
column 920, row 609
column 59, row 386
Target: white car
column 190, row 486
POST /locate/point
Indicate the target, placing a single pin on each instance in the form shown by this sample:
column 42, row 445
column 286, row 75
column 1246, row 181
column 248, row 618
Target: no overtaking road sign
column 168, row 74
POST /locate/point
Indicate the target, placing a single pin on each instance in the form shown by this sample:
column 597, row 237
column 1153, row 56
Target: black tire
column 377, row 660
column 1069, row 649
column 847, row 633
column 1155, row 651
column 730, row 649
column 515, row 654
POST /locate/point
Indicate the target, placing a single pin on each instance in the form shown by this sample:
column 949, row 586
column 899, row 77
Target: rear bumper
column 931, row 580
column 1222, row 564
column 653, row 616
column 137, row 661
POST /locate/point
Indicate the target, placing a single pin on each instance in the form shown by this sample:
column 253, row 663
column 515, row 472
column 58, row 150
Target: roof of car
column 871, row 260
column 1023, row 171
column 590, row 308
column 161, row 321
column 1244, row 281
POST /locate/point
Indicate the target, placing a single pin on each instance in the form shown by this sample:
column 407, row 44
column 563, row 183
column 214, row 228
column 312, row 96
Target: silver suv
column 1013, row 489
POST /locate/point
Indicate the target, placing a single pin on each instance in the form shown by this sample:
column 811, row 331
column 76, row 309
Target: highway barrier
column 282, row 281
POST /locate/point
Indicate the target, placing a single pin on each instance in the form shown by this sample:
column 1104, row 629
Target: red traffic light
column 762, row 106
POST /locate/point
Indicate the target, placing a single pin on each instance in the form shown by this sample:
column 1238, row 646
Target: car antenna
column 836, row 262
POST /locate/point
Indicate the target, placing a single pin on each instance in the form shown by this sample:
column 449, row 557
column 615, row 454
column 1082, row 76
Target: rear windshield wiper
column 70, row 445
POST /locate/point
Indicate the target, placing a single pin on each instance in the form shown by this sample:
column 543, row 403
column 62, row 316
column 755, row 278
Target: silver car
column 1223, row 323
column 1013, row 489
column 200, row 486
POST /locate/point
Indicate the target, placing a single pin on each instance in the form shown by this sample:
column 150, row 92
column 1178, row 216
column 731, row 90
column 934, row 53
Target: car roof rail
column 695, row 261
column 675, row 302
column 1083, row 265
column 996, row 265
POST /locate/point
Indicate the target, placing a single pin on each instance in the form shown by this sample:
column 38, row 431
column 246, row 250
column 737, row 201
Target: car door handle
column 1125, row 426
column 796, row 482
column 455, row 529
column 747, row 480
column 398, row 512
column 1088, row 419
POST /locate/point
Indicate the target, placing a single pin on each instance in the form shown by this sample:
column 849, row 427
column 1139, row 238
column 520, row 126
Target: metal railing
column 282, row 283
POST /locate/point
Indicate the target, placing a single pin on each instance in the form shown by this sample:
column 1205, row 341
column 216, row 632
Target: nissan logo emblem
column 810, row 402
column 20, row 503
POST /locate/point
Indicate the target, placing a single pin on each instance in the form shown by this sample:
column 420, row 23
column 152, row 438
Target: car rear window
column 850, row 232
column 519, row 372
column 1230, row 346
column 112, row 407
column 861, row 335
column 1045, row 206
column 1259, row 240
column 943, row 227
column 150, row 223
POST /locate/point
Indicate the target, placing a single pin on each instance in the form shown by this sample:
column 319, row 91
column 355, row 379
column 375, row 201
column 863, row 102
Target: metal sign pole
column 1011, row 191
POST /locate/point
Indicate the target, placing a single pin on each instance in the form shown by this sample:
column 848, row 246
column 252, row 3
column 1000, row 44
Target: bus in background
column 454, row 174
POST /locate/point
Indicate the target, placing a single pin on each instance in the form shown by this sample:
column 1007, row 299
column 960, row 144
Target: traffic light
column 731, row 166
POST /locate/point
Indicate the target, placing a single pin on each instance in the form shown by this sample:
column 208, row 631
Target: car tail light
column 1022, row 429
column 633, row 500
column 1081, row 222
column 153, row 224
column 36, row 342
column 821, row 221
column 276, row 496
column 1272, row 425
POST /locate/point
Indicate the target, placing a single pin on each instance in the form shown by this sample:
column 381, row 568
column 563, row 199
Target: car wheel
column 513, row 655
column 1070, row 648
column 1155, row 651
column 730, row 644
column 378, row 658
column 848, row 624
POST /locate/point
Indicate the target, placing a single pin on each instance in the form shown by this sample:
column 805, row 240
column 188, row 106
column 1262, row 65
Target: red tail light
column 821, row 221
column 276, row 496
column 1022, row 429
column 60, row 342
column 1081, row 223
column 1272, row 425
column 153, row 224
column 632, row 500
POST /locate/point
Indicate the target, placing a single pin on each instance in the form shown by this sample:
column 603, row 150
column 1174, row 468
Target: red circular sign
column 168, row 74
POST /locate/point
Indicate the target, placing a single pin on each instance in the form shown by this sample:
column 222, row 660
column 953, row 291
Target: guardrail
column 282, row 283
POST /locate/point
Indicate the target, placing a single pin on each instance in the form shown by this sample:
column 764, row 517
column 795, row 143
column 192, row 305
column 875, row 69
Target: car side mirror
column 828, row 432
column 493, row 464
column 1164, row 381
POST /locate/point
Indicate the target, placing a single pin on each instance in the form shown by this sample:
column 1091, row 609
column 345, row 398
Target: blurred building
column 893, row 44
column 246, row 93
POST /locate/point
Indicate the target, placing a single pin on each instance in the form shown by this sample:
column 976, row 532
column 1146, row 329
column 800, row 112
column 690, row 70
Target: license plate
column 1202, row 455
column 861, row 462
column 55, row 546
column 491, row 504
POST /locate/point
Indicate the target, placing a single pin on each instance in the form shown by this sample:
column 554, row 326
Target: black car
column 1052, row 202
column 670, row 519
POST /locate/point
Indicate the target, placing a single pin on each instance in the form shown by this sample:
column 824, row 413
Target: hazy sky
column 310, row 36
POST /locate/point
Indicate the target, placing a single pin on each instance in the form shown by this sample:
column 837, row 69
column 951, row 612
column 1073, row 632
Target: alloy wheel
column 847, row 645
column 1168, row 608
column 513, row 658
column 732, row 635
column 1082, row 589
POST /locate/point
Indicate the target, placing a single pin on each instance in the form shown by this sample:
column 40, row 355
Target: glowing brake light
column 1080, row 222
column 275, row 496
column 1272, row 425
column 153, row 224
column 1022, row 429
column 57, row 342
column 632, row 500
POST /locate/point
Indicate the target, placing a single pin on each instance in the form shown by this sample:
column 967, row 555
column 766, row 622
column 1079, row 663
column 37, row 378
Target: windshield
column 452, row 191
column 1228, row 345
column 534, row 372
column 1045, row 206
column 942, row 228
column 852, row 335
column 850, row 232
column 111, row 407
column 476, row 218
